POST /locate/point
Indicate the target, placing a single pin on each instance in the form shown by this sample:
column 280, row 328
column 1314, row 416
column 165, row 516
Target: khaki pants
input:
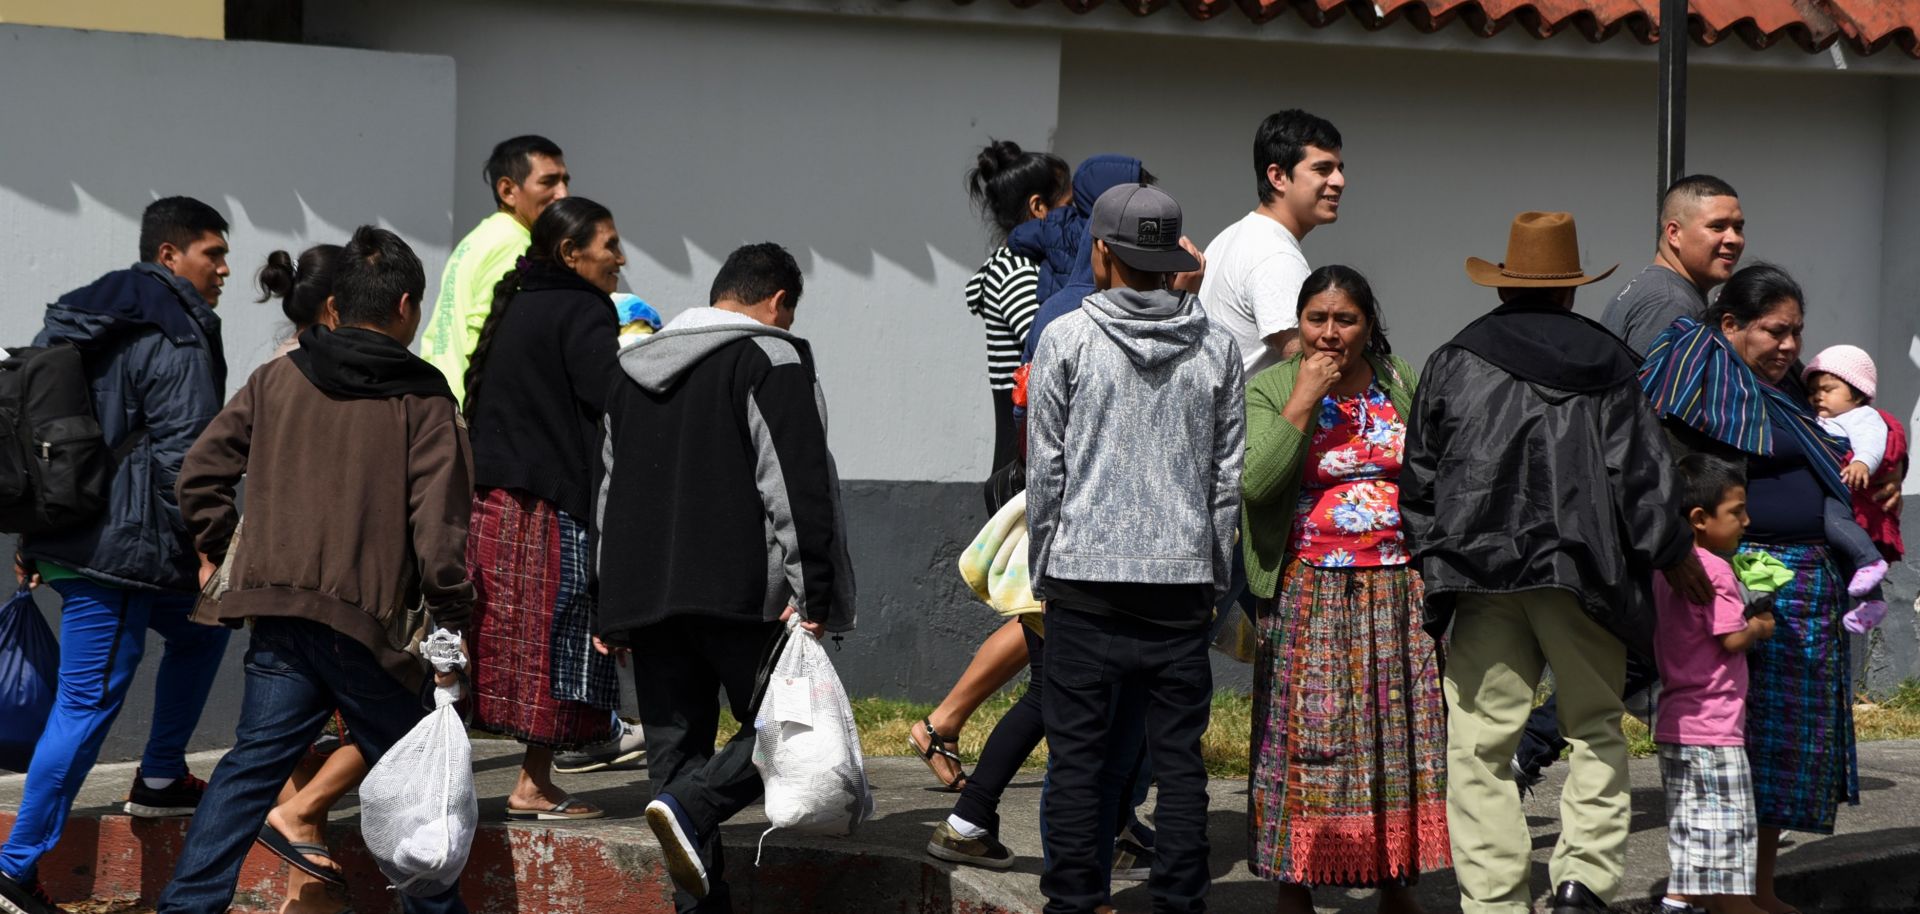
column 1499, row 646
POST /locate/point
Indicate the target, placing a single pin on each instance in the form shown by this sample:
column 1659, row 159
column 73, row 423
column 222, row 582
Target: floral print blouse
column 1349, row 512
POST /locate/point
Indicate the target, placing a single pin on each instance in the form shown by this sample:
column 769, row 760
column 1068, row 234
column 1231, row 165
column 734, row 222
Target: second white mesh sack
column 807, row 747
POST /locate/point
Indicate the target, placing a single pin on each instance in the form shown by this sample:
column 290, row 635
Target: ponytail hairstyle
column 568, row 220
column 1004, row 178
column 302, row 287
column 1347, row 279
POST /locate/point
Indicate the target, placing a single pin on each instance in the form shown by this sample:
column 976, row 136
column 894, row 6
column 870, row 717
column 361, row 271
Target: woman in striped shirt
column 1010, row 186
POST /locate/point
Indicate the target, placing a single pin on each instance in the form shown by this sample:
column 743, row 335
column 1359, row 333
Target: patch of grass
column 885, row 722
column 1896, row 718
column 1906, row 698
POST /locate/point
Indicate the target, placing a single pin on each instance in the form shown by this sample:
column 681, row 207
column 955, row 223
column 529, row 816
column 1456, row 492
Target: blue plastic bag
column 29, row 673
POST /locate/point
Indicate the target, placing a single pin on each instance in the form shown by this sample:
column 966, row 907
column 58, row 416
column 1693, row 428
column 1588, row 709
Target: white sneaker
column 626, row 751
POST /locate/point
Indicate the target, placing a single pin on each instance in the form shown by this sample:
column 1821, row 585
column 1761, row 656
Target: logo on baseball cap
column 1141, row 226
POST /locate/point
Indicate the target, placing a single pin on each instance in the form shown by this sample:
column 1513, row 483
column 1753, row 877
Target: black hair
column 1283, row 139
column 514, row 159
column 1693, row 187
column 1858, row 397
column 302, row 287
column 179, row 221
column 375, row 269
column 1348, row 280
column 1146, row 178
column 572, row 220
column 754, row 272
column 1705, row 481
column 1004, row 177
column 1752, row 292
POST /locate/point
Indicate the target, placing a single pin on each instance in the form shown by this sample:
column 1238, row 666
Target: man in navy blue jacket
column 157, row 376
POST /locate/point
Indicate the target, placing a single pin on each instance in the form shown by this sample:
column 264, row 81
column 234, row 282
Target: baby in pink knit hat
column 1841, row 381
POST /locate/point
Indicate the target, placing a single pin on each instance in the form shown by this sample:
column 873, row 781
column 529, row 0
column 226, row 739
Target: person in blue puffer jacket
column 157, row 375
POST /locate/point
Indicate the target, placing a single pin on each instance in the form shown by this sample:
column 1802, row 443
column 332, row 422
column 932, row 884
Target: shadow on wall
column 843, row 139
column 290, row 136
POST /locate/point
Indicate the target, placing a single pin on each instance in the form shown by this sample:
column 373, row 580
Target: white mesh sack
column 418, row 812
column 807, row 747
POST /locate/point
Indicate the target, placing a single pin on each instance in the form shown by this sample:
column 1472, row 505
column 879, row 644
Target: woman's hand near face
column 1319, row 371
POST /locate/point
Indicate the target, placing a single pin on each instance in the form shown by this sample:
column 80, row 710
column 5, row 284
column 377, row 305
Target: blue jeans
column 1106, row 674
column 103, row 633
column 298, row 672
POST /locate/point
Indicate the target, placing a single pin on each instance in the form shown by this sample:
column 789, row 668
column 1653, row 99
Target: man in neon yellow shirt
column 526, row 173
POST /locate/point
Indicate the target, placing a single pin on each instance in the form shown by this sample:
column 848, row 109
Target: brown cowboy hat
column 1543, row 252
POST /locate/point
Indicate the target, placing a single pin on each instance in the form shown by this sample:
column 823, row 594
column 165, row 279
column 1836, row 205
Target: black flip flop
column 296, row 853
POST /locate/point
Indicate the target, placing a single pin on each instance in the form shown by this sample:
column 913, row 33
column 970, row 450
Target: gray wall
column 843, row 139
column 293, row 144
column 844, row 136
column 1440, row 164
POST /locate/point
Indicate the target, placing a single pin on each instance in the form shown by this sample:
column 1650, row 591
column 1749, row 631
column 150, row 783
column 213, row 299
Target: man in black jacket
column 717, row 516
column 1539, row 496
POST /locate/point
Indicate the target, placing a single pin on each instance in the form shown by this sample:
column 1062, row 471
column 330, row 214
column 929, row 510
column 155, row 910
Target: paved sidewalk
column 1871, row 865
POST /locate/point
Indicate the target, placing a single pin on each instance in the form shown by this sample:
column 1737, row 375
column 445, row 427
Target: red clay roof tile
column 1865, row 25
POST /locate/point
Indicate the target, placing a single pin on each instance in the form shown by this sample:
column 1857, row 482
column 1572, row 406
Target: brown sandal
column 940, row 746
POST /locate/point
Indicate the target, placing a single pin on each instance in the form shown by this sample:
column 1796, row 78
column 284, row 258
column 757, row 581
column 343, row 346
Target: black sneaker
column 627, row 751
column 1571, row 897
column 179, row 798
column 1133, row 854
column 19, row 896
column 1524, row 778
column 679, row 844
column 949, row 845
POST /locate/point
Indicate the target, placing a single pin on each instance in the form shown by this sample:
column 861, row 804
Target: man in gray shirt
column 1702, row 234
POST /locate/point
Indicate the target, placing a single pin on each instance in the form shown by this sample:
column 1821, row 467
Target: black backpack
column 55, row 466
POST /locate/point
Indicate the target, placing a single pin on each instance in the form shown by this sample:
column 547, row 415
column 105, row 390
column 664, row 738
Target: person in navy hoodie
column 157, row 375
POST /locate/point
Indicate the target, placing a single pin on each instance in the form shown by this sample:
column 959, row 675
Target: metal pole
column 1673, row 92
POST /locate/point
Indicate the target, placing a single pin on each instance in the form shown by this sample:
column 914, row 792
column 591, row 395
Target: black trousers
column 1012, row 740
column 1100, row 669
column 679, row 668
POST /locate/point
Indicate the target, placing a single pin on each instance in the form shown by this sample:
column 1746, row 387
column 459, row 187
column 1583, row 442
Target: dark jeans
column 1012, row 740
column 298, row 672
column 1541, row 743
column 1101, row 669
column 679, row 667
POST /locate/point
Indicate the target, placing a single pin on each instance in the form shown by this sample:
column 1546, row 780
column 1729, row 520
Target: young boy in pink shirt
column 1701, row 730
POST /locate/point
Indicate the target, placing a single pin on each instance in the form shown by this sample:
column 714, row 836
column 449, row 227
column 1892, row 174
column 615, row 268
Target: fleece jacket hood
column 657, row 362
column 1152, row 328
column 1057, row 241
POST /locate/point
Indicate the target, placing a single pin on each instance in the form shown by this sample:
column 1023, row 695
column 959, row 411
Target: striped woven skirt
column 536, row 676
column 1348, row 783
column 1800, row 698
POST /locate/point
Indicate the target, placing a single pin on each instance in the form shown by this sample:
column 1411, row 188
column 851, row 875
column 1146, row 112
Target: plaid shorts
column 1712, row 832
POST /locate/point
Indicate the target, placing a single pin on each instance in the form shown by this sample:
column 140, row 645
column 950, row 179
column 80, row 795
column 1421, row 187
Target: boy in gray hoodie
column 1134, row 443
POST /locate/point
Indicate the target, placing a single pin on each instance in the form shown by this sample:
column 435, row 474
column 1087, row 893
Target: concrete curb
column 1872, row 866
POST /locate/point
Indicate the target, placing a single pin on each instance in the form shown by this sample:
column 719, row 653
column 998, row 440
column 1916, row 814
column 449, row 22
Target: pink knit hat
column 1848, row 363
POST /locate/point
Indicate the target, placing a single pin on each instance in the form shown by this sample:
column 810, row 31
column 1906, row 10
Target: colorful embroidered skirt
column 1800, row 699
column 1349, row 732
column 535, row 674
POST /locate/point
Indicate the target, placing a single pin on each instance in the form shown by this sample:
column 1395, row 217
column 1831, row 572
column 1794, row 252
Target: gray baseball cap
column 1141, row 225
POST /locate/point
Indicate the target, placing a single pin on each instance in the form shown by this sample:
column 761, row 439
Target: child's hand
column 1761, row 626
column 1854, row 475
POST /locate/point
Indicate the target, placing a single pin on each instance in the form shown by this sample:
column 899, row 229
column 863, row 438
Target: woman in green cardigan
column 1349, row 729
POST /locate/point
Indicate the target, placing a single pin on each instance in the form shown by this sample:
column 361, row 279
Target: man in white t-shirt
column 1255, row 268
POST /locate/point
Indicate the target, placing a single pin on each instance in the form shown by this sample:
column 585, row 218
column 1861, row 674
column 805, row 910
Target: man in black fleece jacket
column 716, row 516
